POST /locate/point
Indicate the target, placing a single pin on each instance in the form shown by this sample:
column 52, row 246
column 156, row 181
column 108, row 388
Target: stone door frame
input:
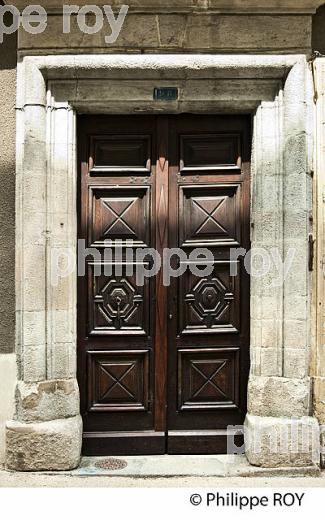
column 46, row 432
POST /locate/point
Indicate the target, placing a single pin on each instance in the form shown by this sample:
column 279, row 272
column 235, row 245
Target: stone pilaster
column 46, row 430
column 279, row 429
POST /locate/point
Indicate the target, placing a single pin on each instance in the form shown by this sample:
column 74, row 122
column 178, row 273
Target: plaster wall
column 8, row 60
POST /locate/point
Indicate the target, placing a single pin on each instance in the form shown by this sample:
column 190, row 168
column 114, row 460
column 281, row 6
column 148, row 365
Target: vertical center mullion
column 161, row 343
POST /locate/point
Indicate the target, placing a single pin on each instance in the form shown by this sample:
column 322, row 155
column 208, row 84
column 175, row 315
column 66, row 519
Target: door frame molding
column 51, row 91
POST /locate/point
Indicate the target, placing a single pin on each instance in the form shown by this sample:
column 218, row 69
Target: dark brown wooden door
column 208, row 353
column 162, row 368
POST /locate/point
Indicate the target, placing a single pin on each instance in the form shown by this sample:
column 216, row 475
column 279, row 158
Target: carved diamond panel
column 118, row 215
column 208, row 378
column 212, row 303
column 209, row 216
column 118, row 380
column 117, row 305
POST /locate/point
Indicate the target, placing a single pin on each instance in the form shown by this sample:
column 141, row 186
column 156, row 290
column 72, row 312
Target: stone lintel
column 170, row 66
column 168, row 32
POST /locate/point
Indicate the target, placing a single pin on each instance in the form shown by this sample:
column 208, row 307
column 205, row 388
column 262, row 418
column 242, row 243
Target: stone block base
column 52, row 445
column 273, row 442
column 47, row 401
column 278, row 396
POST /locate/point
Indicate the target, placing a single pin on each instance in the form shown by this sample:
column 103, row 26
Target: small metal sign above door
column 165, row 94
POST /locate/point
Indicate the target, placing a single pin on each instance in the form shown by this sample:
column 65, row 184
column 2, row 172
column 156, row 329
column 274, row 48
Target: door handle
column 170, row 316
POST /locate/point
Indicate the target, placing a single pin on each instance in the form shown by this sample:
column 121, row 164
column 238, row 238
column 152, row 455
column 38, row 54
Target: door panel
column 116, row 316
column 119, row 214
column 208, row 347
column 209, row 304
column 210, row 215
column 117, row 305
column 119, row 380
column 162, row 369
column 120, row 154
column 208, row 378
column 202, row 153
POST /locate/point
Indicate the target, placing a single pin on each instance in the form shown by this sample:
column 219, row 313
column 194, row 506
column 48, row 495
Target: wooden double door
column 163, row 368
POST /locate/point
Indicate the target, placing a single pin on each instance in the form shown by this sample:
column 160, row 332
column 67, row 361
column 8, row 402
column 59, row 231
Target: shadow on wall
column 8, row 49
column 318, row 34
column 8, row 59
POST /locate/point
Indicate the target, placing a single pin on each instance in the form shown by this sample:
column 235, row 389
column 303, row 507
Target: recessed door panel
column 202, row 153
column 118, row 381
column 209, row 304
column 117, row 304
column 119, row 214
column 208, row 379
column 210, row 215
column 120, row 154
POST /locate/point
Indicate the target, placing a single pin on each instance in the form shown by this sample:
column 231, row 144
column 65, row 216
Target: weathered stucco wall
column 7, row 231
column 7, row 191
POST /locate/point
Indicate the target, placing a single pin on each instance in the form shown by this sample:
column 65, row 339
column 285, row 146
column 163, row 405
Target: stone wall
column 256, row 26
column 190, row 32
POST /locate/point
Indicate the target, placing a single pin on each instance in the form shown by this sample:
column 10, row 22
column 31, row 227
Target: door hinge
column 311, row 252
